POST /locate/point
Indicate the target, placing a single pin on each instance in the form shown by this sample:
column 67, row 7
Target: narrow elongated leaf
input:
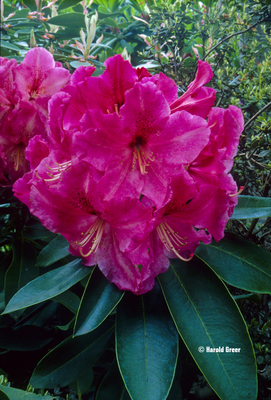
column 112, row 386
column 69, row 360
column 48, row 285
column 22, row 269
column 73, row 20
column 252, row 207
column 239, row 262
column 99, row 300
column 207, row 318
column 54, row 251
column 10, row 46
column 146, row 345
column 17, row 394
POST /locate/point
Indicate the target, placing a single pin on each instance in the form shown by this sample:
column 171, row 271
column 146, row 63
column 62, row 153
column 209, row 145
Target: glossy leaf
column 112, row 386
column 83, row 383
column 252, row 207
column 73, row 20
column 98, row 301
column 54, row 251
column 17, row 394
column 69, row 300
column 239, row 262
column 69, row 360
column 146, row 345
column 22, row 269
column 48, row 285
column 206, row 316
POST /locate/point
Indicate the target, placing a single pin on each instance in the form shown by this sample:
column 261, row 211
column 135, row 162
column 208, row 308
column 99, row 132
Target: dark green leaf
column 71, row 20
column 146, row 345
column 54, row 251
column 48, row 285
column 252, row 207
column 68, row 361
column 112, row 386
column 69, row 300
column 206, row 316
column 17, row 394
column 22, row 269
column 98, row 301
column 83, row 383
column 239, row 262
column 24, row 338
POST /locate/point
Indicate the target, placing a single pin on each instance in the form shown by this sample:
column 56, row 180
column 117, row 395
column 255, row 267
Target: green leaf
column 31, row 4
column 22, row 269
column 83, row 382
column 48, row 285
column 3, row 395
column 67, row 3
column 17, row 394
column 10, row 46
column 112, row 386
column 206, row 316
column 252, row 207
column 69, row 300
column 146, row 345
column 239, row 262
column 70, row 20
column 98, row 301
column 68, row 361
column 9, row 10
column 24, row 338
column 54, row 251
column 110, row 22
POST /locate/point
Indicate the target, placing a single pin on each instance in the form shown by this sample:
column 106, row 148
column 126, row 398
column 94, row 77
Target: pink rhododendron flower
column 130, row 174
column 25, row 90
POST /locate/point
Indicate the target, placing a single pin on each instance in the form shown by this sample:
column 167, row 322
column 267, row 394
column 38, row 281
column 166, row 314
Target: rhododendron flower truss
column 130, row 174
column 25, row 90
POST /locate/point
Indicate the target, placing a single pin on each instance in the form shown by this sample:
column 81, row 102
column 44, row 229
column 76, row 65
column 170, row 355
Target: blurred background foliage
column 162, row 35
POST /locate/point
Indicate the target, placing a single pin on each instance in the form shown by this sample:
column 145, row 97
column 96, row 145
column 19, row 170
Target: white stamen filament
column 57, row 171
column 97, row 228
column 170, row 239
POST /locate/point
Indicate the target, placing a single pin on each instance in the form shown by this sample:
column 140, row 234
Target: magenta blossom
column 130, row 174
column 25, row 90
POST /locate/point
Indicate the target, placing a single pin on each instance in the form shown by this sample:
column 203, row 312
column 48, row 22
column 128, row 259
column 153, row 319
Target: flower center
column 171, row 240
column 19, row 156
column 144, row 159
column 93, row 234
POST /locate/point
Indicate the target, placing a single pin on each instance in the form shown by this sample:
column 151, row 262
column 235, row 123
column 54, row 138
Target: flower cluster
column 25, row 90
column 130, row 174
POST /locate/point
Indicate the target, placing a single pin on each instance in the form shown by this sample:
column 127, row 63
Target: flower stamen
column 57, row 171
column 95, row 229
column 144, row 160
column 170, row 239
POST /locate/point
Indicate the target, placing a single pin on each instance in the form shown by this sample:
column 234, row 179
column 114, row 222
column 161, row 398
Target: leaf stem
column 257, row 114
column 230, row 36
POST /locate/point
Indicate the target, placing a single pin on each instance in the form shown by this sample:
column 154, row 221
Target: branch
column 228, row 37
column 256, row 115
